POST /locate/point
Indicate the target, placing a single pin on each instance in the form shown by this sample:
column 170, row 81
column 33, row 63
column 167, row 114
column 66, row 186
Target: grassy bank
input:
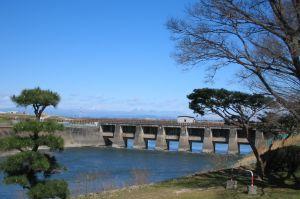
column 207, row 185
column 212, row 185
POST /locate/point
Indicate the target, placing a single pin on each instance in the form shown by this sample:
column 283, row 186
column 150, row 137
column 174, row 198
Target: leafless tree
column 262, row 36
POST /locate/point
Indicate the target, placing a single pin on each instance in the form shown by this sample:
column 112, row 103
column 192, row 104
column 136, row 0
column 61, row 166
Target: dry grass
column 250, row 159
column 293, row 140
column 206, row 185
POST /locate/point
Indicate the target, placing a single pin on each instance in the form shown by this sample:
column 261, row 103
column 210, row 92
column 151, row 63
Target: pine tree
column 31, row 168
column 235, row 108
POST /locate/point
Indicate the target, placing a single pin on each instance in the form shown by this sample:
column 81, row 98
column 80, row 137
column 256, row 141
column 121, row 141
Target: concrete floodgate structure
column 116, row 132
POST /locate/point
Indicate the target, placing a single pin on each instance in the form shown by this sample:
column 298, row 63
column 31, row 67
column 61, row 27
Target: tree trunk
column 31, row 178
column 38, row 117
column 260, row 165
column 35, row 138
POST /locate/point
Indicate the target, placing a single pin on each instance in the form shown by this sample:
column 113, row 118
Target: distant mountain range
column 142, row 114
column 106, row 114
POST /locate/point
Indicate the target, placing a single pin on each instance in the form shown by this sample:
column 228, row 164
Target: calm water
column 98, row 169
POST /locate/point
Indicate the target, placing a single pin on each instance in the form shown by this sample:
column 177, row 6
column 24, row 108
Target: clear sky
column 100, row 56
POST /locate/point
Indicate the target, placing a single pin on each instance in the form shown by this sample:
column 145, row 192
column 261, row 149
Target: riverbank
column 209, row 185
column 250, row 159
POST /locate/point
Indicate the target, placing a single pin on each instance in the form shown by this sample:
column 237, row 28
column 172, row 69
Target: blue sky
column 103, row 57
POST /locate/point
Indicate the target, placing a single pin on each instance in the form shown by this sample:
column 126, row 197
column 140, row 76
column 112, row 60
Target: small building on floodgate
column 186, row 120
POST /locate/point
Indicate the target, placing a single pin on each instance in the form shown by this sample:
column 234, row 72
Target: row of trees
column 30, row 167
column 262, row 38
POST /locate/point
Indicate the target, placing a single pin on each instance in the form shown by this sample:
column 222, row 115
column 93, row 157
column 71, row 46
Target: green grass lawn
column 209, row 186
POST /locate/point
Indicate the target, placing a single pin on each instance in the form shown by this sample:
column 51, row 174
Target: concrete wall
column 73, row 136
column 82, row 136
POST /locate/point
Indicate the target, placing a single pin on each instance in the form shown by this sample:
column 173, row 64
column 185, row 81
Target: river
column 96, row 169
